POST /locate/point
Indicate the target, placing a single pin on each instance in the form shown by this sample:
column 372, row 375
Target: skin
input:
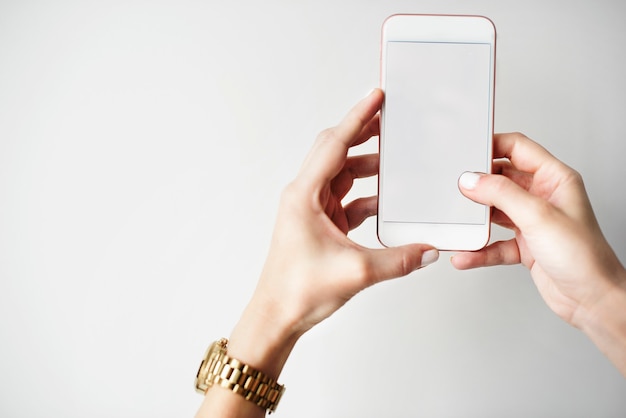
column 313, row 268
column 557, row 237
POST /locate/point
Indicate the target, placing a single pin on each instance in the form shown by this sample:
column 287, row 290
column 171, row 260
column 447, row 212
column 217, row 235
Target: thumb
column 523, row 208
column 389, row 263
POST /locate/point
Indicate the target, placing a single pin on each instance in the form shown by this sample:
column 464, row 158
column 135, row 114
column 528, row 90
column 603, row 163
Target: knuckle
column 406, row 264
column 518, row 135
column 568, row 176
column 289, row 190
column 574, row 177
column 327, row 135
column 291, row 195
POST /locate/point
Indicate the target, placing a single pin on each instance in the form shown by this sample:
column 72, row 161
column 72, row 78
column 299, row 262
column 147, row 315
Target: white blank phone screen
column 437, row 124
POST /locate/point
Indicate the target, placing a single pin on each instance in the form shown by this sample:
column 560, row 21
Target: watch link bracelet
column 220, row 369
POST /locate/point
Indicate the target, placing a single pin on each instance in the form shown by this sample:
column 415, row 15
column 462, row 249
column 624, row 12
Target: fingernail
column 469, row 180
column 429, row 257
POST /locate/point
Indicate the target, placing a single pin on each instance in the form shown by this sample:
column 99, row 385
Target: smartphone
column 438, row 75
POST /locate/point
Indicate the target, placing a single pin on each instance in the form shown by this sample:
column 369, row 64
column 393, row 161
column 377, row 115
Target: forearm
column 605, row 325
column 260, row 339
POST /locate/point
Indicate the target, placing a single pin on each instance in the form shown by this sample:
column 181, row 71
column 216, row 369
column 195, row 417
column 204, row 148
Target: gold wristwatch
column 220, row 369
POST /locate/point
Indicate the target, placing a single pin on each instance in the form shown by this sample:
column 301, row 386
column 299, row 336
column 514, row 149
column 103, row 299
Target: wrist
column 605, row 322
column 262, row 337
column 260, row 340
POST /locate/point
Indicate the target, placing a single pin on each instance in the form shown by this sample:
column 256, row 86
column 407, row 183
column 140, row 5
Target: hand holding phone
column 436, row 123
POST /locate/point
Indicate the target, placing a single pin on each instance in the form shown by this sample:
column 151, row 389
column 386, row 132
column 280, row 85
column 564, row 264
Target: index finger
column 328, row 155
column 525, row 154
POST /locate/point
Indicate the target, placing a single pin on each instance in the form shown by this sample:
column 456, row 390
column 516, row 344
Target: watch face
column 214, row 353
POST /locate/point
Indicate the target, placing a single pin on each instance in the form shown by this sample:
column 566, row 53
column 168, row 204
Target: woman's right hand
column 557, row 237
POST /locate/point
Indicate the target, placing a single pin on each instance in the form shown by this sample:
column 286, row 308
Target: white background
column 143, row 147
